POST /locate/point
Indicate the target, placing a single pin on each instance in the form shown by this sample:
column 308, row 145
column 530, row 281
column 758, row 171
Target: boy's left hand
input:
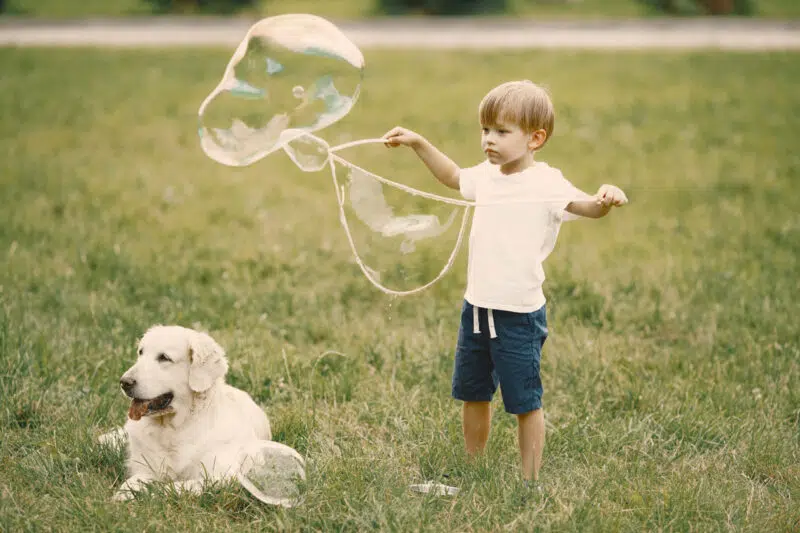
column 610, row 195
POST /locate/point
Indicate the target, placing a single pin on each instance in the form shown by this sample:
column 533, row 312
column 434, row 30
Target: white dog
column 185, row 424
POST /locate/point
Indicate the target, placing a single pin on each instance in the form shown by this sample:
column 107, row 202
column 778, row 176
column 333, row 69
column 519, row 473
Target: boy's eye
column 162, row 358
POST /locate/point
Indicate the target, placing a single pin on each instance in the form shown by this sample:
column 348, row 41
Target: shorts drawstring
column 492, row 332
column 476, row 328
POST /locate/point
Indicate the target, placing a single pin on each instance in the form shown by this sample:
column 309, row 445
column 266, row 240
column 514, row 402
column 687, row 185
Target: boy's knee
column 532, row 412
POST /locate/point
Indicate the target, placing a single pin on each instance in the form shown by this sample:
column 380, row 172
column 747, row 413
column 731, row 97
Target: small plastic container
column 437, row 489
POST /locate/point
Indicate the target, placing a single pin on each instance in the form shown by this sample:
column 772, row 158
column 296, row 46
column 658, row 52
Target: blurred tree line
column 441, row 7
column 199, row 6
column 711, row 7
column 451, row 7
column 459, row 7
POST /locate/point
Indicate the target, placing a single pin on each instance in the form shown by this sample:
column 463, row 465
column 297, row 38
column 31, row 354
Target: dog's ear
column 208, row 361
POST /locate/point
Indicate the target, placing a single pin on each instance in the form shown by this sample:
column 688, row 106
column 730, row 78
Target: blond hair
column 522, row 103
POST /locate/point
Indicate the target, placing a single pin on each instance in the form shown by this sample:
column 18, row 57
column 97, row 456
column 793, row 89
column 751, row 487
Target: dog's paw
column 128, row 489
column 122, row 495
column 115, row 438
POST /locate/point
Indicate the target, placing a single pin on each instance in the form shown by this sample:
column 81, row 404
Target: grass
column 356, row 9
column 670, row 374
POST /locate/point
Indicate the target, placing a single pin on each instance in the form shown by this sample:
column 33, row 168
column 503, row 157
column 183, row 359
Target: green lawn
column 550, row 9
column 672, row 366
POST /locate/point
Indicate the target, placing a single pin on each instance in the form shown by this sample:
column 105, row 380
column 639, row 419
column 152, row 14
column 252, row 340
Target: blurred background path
column 730, row 34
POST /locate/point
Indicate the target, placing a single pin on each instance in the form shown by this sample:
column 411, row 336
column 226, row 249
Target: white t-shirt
column 516, row 222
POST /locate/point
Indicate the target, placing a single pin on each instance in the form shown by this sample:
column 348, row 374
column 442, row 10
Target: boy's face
column 507, row 145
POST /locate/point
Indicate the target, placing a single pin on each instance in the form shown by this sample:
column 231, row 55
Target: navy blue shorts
column 510, row 360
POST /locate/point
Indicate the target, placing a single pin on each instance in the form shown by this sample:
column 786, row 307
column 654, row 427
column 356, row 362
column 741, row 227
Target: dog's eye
column 140, row 351
column 162, row 358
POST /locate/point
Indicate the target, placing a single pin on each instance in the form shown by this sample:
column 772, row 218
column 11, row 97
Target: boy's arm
column 442, row 167
column 607, row 196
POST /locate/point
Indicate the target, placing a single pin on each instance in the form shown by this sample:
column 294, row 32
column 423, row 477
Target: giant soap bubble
column 403, row 238
column 291, row 74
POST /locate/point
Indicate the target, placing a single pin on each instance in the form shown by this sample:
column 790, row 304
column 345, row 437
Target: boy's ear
column 537, row 139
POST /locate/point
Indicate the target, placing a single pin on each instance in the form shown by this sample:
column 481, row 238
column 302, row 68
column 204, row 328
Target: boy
column 520, row 204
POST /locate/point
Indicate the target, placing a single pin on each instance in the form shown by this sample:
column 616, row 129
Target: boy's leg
column 473, row 380
column 476, row 421
column 531, row 442
column 516, row 352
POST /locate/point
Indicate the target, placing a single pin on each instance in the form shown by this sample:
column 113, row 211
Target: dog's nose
column 127, row 384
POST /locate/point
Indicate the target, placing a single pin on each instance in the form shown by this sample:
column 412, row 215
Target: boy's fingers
column 392, row 132
column 392, row 137
column 395, row 133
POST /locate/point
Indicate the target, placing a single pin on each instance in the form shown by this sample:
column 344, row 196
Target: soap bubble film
column 308, row 152
column 403, row 240
column 291, row 73
column 274, row 473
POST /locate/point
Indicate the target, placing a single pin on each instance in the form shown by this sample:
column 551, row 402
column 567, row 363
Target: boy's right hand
column 441, row 166
column 403, row 137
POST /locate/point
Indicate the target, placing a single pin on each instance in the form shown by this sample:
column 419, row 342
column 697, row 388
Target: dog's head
column 174, row 365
